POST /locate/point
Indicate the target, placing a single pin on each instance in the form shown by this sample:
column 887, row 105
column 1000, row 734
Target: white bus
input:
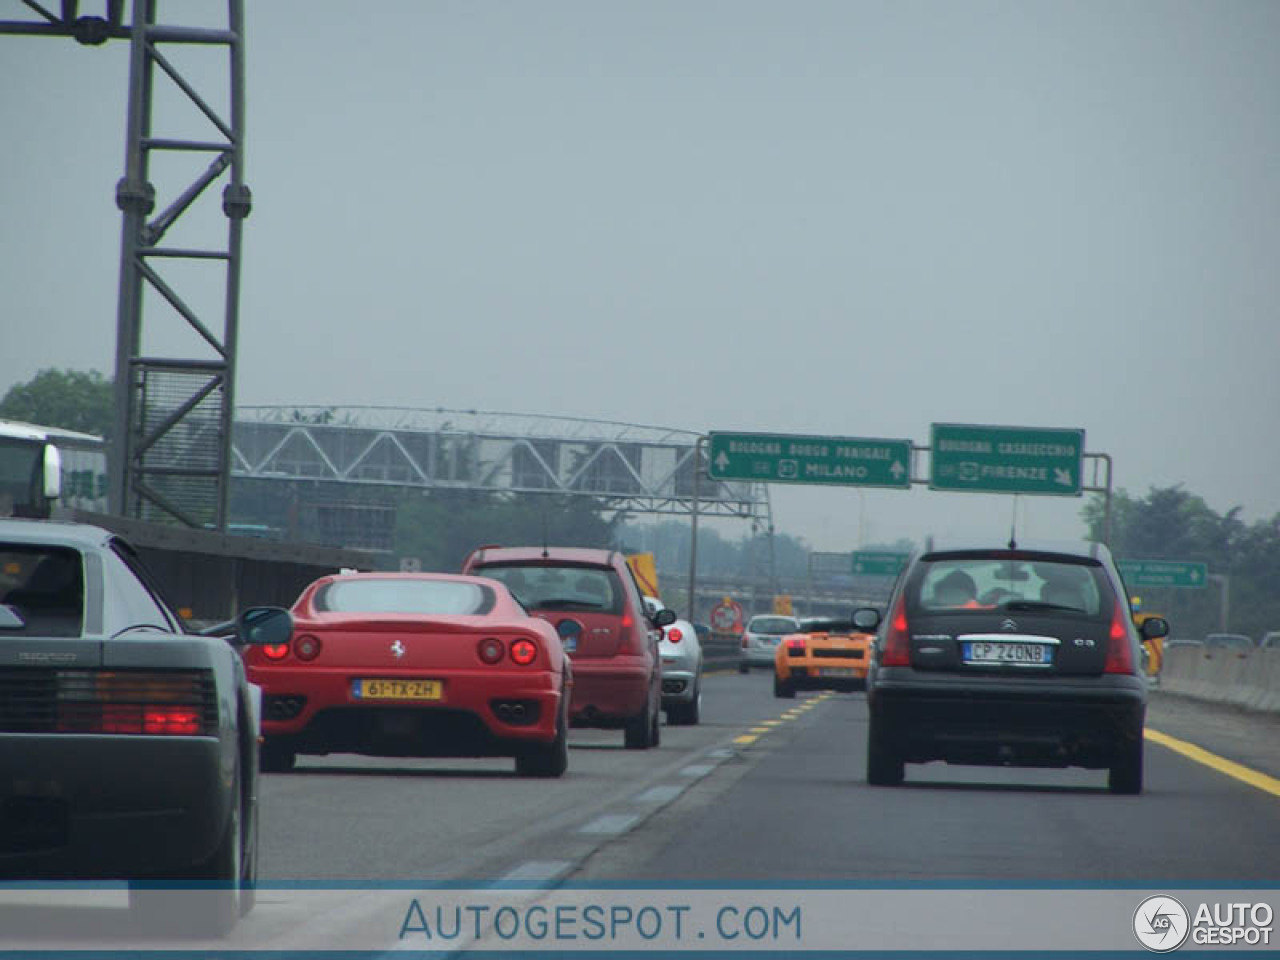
column 43, row 465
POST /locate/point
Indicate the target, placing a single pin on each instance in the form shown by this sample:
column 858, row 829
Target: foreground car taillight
column 674, row 635
column 125, row 702
column 1119, row 653
column 897, row 638
column 745, row 642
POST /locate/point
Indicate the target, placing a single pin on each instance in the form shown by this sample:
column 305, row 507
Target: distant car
column 1270, row 640
column 128, row 747
column 760, row 640
column 414, row 665
column 591, row 598
column 824, row 654
column 993, row 654
column 681, row 652
column 1237, row 643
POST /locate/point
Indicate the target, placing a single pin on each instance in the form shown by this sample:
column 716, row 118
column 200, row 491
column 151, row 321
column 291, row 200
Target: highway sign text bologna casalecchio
column 784, row 458
column 986, row 459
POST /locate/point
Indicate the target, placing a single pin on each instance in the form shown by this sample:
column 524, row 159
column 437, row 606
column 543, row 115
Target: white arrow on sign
column 722, row 461
column 897, row 469
column 1195, row 574
column 1062, row 476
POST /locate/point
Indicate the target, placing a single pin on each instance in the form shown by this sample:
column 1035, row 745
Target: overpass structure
column 354, row 462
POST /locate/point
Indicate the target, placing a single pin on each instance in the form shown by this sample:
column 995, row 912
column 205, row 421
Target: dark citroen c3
column 1023, row 654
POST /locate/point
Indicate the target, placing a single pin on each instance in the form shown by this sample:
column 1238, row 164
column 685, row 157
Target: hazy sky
column 852, row 218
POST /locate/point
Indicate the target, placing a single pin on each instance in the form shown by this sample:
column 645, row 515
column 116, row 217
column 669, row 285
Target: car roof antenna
column 545, row 552
column 1013, row 525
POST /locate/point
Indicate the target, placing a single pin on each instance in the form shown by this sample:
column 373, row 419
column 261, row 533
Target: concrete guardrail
column 1244, row 678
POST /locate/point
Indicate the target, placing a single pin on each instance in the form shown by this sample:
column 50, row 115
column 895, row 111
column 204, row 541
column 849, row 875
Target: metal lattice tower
column 172, row 434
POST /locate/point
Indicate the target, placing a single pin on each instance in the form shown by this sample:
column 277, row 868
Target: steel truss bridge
column 628, row 467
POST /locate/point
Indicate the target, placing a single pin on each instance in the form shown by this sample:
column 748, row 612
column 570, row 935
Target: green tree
column 71, row 399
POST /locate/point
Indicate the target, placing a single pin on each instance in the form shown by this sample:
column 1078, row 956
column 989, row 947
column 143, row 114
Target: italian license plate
column 836, row 672
column 379, row 688
column 983, row 651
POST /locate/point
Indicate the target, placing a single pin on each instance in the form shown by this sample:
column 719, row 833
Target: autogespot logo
column 1161, row 923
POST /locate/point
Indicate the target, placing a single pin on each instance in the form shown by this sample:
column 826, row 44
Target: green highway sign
column 983, row 459
column 1164, row 573
column 786, row 458
column 877, row 563
column 829, row 564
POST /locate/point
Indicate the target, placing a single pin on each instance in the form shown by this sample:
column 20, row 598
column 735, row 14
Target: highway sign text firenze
column 986, row 459
column 783, row 458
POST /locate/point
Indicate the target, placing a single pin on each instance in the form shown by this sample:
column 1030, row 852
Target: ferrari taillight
column 795, row 644
column 897, row 638
column 125, row 702
column 491, row 650
column 275, row 651
column 306, row 647
column 524, row 652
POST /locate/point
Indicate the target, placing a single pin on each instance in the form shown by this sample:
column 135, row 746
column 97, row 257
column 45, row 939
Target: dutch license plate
column 836, row 672
column 982, row 651
column 392, row 689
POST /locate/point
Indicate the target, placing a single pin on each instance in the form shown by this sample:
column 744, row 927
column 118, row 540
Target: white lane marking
column 610, row 823
column 659, row 795
column 697, row 770
column 534, row 872
column 722, row 754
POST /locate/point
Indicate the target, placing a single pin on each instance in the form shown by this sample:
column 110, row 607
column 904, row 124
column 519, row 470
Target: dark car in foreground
column 128, row 747
column 1008, row 655
column 414, row 665
column 591, row 598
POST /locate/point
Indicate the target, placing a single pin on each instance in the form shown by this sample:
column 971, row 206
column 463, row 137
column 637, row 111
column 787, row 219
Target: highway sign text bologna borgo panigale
column 787, row 458
column 986, row 459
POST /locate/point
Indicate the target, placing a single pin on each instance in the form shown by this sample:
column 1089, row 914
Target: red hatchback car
column 592, row 598
column 414, row 665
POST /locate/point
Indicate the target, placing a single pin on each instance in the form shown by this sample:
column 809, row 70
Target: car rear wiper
column 1038, row 605
column 561, row 603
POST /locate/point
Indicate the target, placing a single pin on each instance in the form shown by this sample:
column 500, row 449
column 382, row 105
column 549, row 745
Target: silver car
column 761, row 639
column 681, row 653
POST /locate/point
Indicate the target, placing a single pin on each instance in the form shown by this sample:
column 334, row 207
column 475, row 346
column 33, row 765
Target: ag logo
column 1161, row 924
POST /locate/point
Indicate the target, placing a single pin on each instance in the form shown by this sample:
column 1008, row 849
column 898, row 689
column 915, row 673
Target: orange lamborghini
column 826, row 654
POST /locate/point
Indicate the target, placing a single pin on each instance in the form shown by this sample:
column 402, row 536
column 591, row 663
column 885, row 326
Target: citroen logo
column 397, row 649
column 1010, row 625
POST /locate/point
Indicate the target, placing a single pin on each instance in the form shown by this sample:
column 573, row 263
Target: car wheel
column 655, row 729
column 546, row 760
column 275, row 758
column 743, row 667
column 783, row 688
column 687, row 714
column 884, row 766
column 638, row 732
column 1125, row 775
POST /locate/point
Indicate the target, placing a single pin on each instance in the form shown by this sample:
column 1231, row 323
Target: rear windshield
column 391, row 595
column 772, row 625
column 1235, row 640
column 978, row 582
column 826, row 625
column 43, row 590
column 589, row 589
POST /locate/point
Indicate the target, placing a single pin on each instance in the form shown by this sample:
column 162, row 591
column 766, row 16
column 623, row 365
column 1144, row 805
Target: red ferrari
column 414, row 665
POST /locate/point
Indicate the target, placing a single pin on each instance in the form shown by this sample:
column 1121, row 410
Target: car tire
column 546, row 760
column 744, row 667
column 783, row 688
column 884, row 767
column 1125, row 775
column 655, row 729
column 637, row 734
column 687, row 714
column 274, row 758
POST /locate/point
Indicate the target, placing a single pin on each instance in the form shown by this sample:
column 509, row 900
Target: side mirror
column 664, row 617
column 866, row 619
column 1154, row 627
column 52, row 472
column 257, row 625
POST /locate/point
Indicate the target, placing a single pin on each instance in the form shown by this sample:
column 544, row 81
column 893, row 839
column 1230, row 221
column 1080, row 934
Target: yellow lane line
column 745, row 739
column 770, row 723
column 759, row 729
column 1200, row 755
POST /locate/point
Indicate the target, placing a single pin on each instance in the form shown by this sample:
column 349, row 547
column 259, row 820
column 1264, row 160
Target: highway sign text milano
column 783, row 458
